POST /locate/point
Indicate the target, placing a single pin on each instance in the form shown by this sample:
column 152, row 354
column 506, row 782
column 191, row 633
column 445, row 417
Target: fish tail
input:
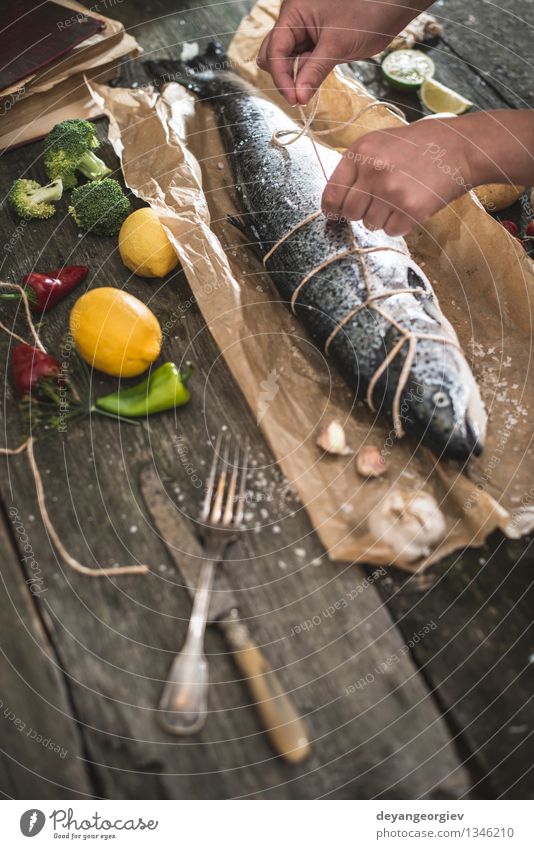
column 194, row 74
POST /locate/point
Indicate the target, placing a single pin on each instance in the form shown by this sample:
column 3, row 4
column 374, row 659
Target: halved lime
column 439, row 98
column 407, row 69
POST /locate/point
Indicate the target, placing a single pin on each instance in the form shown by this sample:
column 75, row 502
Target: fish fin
column 248, row 230
column 237, row 222
column 432, row 310
column 416, row 280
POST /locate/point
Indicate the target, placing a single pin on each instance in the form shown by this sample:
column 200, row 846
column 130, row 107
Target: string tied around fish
column 283, row 138
column 293, row 136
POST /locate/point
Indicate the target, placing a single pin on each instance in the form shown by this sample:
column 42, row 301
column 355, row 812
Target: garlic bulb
column 410, row 523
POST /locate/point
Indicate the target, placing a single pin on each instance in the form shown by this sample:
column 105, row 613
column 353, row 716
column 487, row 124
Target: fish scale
column 276, row 189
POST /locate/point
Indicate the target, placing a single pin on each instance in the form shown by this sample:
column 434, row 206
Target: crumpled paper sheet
column 172, row 158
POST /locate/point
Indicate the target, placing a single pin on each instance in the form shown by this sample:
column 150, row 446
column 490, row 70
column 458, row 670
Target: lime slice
column 407, row 69
column 439, row 98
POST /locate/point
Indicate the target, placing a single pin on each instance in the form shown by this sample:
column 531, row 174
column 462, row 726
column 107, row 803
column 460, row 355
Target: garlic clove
column 333, row 440
column 370, row 463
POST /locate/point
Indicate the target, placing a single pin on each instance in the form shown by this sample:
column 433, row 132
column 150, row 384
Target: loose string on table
column 285, row 138
column 27, row 447
column 134, row 569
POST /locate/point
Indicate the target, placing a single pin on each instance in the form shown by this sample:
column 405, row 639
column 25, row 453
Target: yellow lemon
column 115, row 332
column 144, row 245
column 439, row 98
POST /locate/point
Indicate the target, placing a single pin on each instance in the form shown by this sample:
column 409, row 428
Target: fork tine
column 211, row 480
column 230, row 497
column 238, row 517
column 216, row 511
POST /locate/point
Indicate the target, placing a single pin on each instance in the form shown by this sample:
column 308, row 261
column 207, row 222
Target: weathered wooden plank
column 39, row 740
column 465, row 694
column 479, row 661
column 115, row 639
column 495, row 40
column 503, row 763
column 376, row 727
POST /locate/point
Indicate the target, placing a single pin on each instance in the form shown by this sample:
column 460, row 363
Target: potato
column 497, row 196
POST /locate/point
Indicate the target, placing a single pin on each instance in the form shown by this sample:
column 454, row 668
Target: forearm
column 499, row 146
column 394, row 15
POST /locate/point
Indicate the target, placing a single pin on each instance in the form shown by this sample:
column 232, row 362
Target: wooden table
column 83, row 660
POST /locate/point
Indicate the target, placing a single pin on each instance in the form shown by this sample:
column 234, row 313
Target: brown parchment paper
column 172, row 157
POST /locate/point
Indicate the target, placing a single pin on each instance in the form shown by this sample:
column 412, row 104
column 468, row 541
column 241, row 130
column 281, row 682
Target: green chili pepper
column 165, row 389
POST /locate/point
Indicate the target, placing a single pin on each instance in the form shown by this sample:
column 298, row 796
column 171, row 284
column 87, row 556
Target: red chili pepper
column 530, row 230
column 45, row 290
column 511, row 227
column 30, row 365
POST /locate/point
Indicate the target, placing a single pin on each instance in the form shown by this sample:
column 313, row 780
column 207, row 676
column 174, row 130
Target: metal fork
column 184, row 701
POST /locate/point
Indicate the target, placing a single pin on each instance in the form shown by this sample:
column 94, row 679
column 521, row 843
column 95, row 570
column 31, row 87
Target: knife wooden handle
column 284, row 726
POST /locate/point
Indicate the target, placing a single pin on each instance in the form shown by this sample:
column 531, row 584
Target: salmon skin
column 277, row 189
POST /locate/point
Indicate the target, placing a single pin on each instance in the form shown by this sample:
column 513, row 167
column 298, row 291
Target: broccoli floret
column 100, row 207
column 31, row 200
column 69, row 147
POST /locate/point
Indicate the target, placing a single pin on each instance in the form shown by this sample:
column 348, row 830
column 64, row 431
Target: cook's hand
column 326, row 32
column 396, row 178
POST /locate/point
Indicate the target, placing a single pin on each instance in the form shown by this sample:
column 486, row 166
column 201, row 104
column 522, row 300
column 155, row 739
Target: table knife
column 283, row 724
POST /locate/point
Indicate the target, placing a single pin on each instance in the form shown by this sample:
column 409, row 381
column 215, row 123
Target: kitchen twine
column 27, row 447
column 285, row 138
column 25, row 301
